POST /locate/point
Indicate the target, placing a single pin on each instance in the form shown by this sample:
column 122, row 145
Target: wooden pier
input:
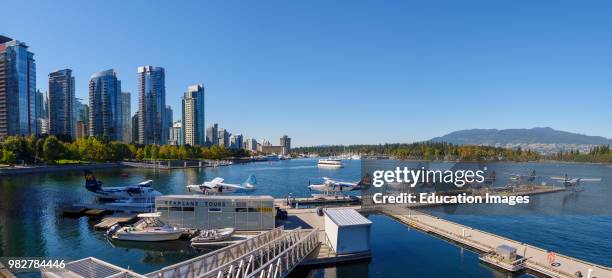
column 535, row 259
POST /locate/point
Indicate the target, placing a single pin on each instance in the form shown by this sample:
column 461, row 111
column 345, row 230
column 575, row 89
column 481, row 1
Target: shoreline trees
column 50, row 150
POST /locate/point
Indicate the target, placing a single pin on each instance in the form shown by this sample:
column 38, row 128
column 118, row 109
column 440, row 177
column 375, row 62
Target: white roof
column 214, row 197
column 346, row 217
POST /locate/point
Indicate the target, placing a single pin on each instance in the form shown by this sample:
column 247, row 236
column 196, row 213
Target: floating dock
column 534, row 258
column 317, row 200
column 323, row 255
column 114, row 207
column 110, row 221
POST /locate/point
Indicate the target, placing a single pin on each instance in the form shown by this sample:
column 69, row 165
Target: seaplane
column 330, row 185
column 573, row 182
column 217, row 186
column 141, row 190
column 518, row 178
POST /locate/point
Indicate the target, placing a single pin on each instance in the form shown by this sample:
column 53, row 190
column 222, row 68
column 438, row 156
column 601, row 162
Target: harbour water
column 30, row 223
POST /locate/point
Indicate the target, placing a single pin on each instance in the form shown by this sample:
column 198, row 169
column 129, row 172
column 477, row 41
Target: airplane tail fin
column 250, row 182
column 90, row 181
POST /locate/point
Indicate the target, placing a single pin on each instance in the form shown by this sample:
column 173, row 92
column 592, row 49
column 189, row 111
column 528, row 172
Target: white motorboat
column 330, row 163
column 148, row 228
column 214, row 235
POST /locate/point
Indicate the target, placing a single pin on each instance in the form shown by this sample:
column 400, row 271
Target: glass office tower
column 152, row 127
column 105, row 117
column 61, row 103
column 17, row 89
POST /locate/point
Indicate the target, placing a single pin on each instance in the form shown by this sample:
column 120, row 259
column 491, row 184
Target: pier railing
column 430, row 223
column 297, row 243
column 90, row 268
column 282, row 264
column 203, row 264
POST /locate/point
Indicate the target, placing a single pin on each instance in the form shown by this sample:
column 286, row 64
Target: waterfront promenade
column 37, row 169
column 536, row 259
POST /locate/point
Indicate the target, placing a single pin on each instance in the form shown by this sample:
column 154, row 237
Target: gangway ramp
column 242, row 259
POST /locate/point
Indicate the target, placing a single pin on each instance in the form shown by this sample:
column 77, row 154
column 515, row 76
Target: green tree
column 53, row 149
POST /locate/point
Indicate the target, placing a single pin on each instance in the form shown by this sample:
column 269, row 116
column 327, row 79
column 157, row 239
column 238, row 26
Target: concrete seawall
column 19, row 170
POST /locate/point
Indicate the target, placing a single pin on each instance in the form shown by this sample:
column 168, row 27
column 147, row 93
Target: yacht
column 330, row 163
column 148, row 228
column 272, row 157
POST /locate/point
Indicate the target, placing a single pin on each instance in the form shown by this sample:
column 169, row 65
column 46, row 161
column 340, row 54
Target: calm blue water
column 31, row 226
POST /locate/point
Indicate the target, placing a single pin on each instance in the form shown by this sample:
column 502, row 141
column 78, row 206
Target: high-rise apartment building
column 250, row 144
column 41, row 111
column 82, row 119
column 105, row 117
column 212, row 135
column 169, row 122
column 135, row 127
column 193, row 115
column 285, row 142
column 236, row 141
column 176, row 134
column 223, row 136
column 17, row 89
column 61, row 103
column 126, row 116
column 152, row 127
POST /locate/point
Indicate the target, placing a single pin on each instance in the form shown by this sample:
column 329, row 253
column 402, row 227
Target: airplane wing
column 558, row 178
column 230, row 185
column 327, row 179
column 217, row 180
column 590, row 179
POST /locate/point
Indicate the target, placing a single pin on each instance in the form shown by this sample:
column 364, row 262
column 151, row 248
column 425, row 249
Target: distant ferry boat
column 330, row 163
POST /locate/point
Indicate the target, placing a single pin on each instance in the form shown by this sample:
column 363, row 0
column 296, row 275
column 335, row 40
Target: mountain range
column 521, row 136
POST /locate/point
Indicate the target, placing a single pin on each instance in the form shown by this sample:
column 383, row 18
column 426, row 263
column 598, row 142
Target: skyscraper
column 193, row 116
column 176, row 134
column 223, row 136
column 236, row 141
column 126, row 116
column 82, row 119
column 105, row 117
column 212, row 135
column 41, row 111
column 17, row 89
column 285, row 142
column 135, row 127
column 169, row 122
column 152, row 128
column 61, row 103
column 250, row 144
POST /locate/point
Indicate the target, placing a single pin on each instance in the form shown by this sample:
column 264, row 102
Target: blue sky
column 330, row 72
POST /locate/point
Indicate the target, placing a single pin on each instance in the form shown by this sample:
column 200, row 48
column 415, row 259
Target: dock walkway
column 536, row 259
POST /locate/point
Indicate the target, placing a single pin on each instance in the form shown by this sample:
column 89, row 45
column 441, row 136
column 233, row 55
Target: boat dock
column 317, row 200
column 111, row 220
column 109, row 207
column 533, row 258
column 323, row 255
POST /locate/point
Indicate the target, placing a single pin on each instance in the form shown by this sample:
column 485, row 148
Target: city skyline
column 484, row 68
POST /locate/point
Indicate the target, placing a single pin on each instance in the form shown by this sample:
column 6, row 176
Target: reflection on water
column 31, row 225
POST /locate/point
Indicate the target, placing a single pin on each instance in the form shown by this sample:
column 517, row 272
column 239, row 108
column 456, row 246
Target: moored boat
column 330, row 163
column 148, row 228
column 214, row 235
